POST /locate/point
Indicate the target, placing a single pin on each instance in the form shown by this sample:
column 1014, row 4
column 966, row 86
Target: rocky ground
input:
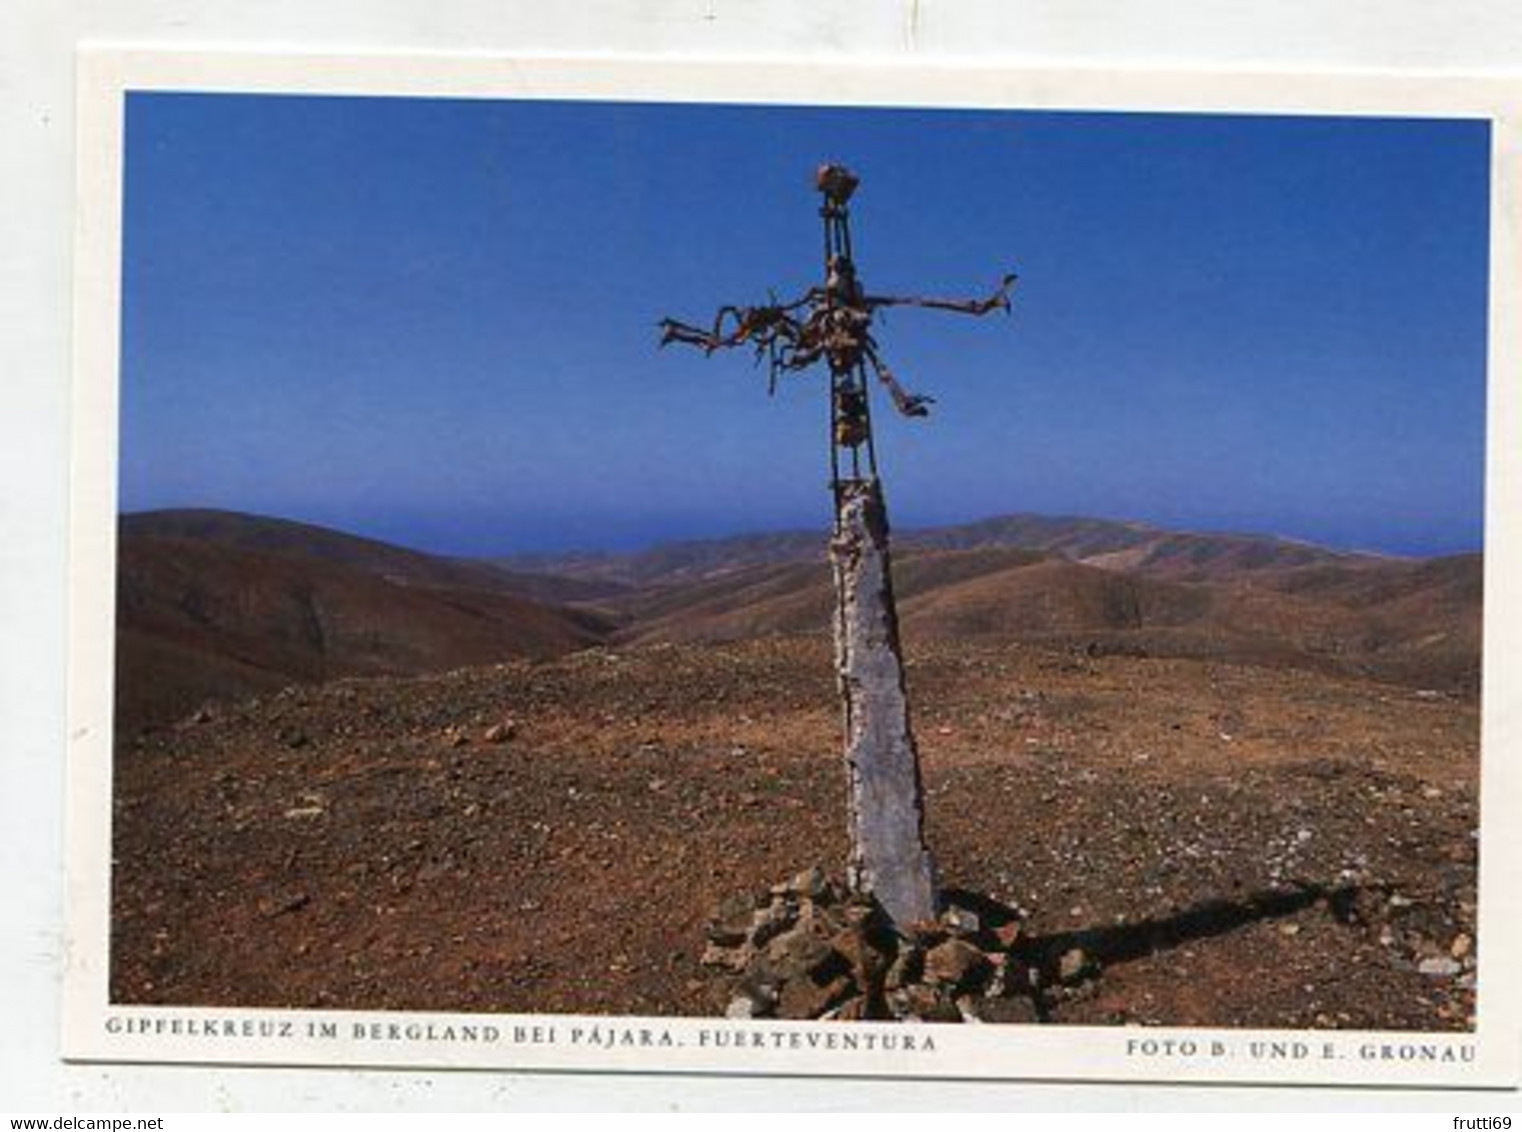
column 1185, row 843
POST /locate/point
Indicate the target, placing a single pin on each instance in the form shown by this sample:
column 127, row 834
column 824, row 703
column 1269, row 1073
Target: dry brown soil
column 1236, row 846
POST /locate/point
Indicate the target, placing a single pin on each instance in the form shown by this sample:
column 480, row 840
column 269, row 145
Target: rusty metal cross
column 833, row 323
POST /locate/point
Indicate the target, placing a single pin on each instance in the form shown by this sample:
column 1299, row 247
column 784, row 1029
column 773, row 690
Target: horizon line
column 778, row 532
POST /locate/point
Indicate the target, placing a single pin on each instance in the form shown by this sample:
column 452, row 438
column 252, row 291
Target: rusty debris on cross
column 831, row 323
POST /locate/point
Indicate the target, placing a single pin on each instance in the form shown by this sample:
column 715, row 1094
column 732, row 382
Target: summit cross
column 832, row 322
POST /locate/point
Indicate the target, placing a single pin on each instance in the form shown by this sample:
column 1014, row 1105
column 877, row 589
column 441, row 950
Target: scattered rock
column 726, row 958
column 968, row 1007
column 1075, row 966
column 801, row 948
column 730, row 932
column 1440, row 966
column 963, row 921
column 741, row 1006
column 1009, row 1008
column 811, row 884
column 802, row 999
column 924, row 1004
column 770, row 922
column 955, row 963
column 282, row 906
column 867, row 962
column 500, row 732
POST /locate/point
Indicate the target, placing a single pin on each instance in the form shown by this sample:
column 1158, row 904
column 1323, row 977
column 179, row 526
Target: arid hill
column 675, row 562
column 1410, row 622
column 218, row 607
column 1119, row 545
column 396, row 564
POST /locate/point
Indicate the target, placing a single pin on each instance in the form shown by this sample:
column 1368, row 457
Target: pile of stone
column 808, row 949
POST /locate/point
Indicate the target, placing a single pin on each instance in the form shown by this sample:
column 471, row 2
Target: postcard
column 905, row 571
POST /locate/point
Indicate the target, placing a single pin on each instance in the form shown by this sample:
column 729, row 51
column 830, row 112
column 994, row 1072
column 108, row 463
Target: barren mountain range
column 218, row 605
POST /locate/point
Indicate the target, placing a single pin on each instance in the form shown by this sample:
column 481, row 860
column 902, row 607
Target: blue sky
column 434, row 321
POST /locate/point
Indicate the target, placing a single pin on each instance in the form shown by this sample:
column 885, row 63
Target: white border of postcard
column 96, row 1030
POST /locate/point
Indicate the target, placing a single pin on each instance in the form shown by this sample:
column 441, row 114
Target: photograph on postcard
column 476, row 653
column 800, row 563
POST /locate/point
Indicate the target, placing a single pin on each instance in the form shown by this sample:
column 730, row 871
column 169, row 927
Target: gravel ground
column 1229, row 846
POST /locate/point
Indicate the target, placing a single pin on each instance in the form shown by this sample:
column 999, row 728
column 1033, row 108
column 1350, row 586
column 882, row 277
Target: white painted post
column 889, row 858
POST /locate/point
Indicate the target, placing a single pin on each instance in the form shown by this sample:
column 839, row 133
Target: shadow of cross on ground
column 1067, row 957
